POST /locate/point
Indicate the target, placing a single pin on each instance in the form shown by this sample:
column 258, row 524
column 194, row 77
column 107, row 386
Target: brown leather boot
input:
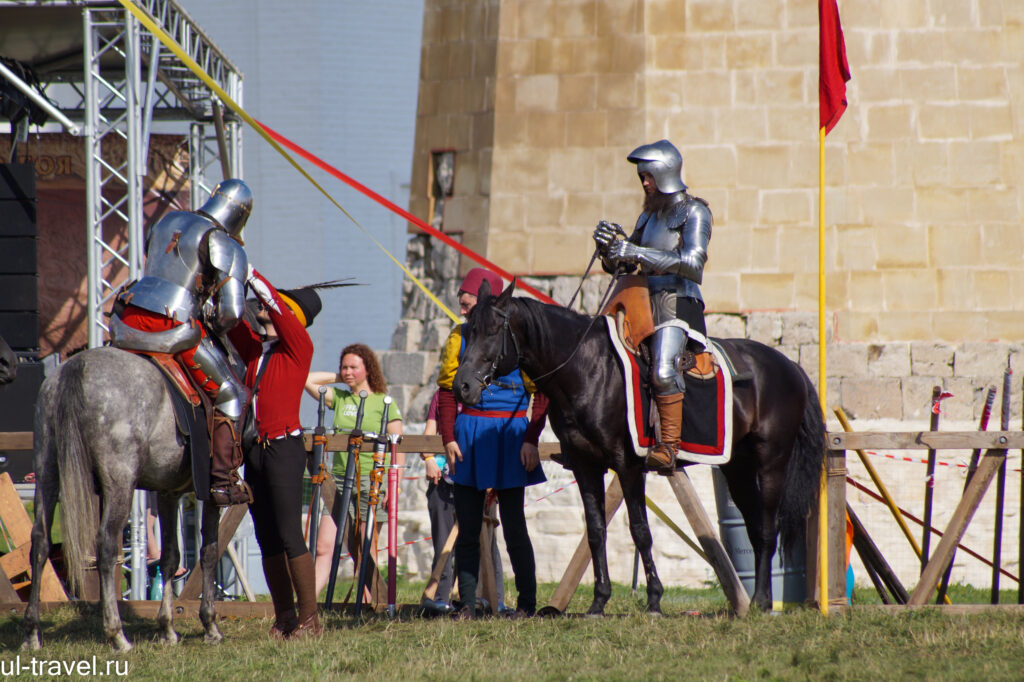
column 662, row 457
column 304, row 582
column 226, row 487
column 279, row 582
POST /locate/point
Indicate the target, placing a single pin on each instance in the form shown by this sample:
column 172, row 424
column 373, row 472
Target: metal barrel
column 789, row 576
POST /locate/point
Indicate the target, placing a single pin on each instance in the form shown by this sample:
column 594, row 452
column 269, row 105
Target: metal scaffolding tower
column 113, row 78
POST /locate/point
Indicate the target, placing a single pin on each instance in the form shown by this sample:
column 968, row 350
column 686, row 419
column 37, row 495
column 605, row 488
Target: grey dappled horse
column 105, row 424
column 8, row 363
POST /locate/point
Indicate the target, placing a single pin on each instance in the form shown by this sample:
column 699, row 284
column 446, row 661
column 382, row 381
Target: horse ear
column 506, row 295
column 484, row 291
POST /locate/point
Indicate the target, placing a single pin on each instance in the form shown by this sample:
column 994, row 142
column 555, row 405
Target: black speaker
column 18, row 398
column 19, row 293
column 20, row 330
column 17, row 181
column 18, row 255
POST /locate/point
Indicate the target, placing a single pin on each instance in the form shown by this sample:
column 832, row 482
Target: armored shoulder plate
column 227, row 256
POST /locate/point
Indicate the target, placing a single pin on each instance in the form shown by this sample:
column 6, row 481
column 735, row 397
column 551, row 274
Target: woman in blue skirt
column 492, row 445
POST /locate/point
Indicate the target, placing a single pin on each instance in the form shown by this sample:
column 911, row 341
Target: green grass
column 696, row 639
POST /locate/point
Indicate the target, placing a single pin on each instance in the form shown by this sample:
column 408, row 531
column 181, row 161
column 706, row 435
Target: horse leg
column 116, row 507
column 633, row 491
column 759, row 519
column 46, row 494
column 591, row 483
column 208, row 557
column 167, row 508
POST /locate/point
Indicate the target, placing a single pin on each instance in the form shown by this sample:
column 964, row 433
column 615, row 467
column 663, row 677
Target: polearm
column 997, row 534
column 318, row 472
column 986, row 412
column 929, row 480
column 355, row 444
column 376, row 478
column 392, row 505
column 1020, row 527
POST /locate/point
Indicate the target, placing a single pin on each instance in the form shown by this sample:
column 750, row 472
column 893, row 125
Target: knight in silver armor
column 670, row 245
column 191, row 293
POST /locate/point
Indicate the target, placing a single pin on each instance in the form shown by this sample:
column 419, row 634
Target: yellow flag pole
column 823, row 494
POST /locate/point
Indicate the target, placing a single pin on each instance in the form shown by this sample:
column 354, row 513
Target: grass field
column 695, row 640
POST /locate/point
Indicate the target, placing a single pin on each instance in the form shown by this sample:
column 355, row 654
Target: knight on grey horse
column 192, row 292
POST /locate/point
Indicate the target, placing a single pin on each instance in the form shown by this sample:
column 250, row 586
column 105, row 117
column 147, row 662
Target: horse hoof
column 121, row 644
column 655, row 614
column 213, row 638
column 169, row 638
column 32, row 643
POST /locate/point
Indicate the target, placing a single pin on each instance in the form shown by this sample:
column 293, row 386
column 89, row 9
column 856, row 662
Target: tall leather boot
column 304, row 582
column 662, row 457
column 279, row 582
column 226, row 487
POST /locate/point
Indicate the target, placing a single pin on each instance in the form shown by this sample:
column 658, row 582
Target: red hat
column 476, row 277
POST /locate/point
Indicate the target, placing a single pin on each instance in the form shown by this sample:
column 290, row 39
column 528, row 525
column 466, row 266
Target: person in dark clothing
column 277, row 362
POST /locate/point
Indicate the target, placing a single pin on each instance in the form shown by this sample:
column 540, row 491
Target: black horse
column 8, row 363
column 779, row 433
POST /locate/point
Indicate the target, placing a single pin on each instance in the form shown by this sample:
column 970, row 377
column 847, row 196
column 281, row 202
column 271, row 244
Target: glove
column 623, row 252
column 604, row 234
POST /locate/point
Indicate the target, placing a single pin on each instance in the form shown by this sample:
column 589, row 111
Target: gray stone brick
column 917, row 396
column 434, row 334
column 726, row 326
column 799, row 328
column 847, row 359
column 407, row 367
column 764, row 327
column 889, row 359
column 874, row 398
column 968, row 398
column 981, row 361
column 407, row 335
column 931, row 359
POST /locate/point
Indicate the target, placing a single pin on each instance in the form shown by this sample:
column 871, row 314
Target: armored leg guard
column 279, row 582
column 226, row 487
column 662, row 457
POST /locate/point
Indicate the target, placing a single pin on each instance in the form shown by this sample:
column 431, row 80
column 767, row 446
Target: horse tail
column 78, row 512
column 803, row 474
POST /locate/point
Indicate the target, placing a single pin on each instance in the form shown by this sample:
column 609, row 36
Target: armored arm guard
column 611, row 265
column 687, row 259
column 230, row 264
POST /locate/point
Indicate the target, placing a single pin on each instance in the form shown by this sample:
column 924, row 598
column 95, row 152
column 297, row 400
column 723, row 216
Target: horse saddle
column 192, row 409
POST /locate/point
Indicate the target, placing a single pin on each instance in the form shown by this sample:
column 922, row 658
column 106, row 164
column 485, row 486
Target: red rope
column 464, row 250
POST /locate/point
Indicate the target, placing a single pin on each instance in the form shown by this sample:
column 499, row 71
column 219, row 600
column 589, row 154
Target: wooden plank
column 15, row 440
column 435, row 577
column 12, row 512
column 18, row 561
column 581, row 558
column 338, row 443
column 705, row 532
column 229, row 521
column 7, row 592
column 488, row 585
column 954, row 532
column 926, row 440
column 835, row 468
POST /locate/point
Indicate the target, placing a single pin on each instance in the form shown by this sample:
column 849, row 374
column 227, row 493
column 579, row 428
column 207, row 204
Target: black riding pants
column 274, row 470
column 469, row 511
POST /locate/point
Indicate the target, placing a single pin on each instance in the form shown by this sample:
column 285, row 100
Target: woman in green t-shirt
column 360, row 370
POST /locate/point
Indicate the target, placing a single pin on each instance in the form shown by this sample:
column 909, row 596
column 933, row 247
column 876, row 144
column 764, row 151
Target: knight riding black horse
column 779, row 434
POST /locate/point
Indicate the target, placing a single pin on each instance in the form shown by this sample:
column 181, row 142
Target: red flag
column 833, row 71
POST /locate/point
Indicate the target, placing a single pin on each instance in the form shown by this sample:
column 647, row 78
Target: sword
column 319, row 471
column 376, row 477
column 355, row 444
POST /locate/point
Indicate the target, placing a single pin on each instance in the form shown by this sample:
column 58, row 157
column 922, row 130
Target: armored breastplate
column 172, row 270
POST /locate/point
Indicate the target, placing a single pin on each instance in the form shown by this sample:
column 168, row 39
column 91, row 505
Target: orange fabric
column 849, row 538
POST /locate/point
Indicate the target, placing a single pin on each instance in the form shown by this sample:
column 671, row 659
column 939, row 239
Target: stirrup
column 661, row 459
column 230, row 495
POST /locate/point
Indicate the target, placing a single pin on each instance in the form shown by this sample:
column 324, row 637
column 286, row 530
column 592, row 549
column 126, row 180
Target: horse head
column 8, row 363
column 491, row 348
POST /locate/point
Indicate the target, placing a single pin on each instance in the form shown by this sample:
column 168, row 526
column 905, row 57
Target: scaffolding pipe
column 40, row 101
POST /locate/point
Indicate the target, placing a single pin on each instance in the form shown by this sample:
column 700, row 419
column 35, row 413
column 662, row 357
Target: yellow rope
column 173, row 46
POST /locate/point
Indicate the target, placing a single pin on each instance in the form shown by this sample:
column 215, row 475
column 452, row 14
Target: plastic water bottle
column 156, row 588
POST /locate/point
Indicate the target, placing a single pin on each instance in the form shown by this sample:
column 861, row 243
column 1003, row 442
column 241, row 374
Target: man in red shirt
column 279, row 359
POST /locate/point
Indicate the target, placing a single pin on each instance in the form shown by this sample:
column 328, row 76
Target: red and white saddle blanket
column 707, row 410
